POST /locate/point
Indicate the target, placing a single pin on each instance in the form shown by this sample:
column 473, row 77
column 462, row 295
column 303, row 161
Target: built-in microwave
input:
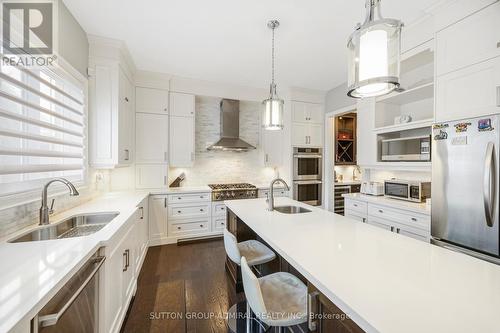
column 307, row 163
column 415, row 191
column 407, row 149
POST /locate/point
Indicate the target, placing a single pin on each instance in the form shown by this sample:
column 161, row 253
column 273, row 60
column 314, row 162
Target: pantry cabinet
column 111, row 115
column 151, row 138
column 182, row 141
column 150, row 100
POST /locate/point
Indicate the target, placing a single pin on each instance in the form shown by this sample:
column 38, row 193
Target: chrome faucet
column 44, row 210
column 270, row 199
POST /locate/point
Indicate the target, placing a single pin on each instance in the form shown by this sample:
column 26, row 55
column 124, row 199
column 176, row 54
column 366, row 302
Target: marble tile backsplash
column 221, row 166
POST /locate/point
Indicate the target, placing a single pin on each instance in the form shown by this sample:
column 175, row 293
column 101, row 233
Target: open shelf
column 406, row 126
column 409, row 96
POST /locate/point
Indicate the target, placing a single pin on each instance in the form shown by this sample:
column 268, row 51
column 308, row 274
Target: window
column 42, row 128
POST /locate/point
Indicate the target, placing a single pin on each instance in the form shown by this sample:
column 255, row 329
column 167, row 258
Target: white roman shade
column 42, row 128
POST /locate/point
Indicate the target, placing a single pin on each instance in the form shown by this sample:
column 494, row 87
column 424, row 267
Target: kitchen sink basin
column 75, row 226
column 291, row 210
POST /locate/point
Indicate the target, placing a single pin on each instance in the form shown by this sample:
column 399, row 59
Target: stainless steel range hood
column 230, row 128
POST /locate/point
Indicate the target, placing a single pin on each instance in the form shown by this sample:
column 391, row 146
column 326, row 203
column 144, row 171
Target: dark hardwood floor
column 177, row 282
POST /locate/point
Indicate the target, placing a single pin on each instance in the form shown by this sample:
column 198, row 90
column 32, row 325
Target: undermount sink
column 291, row 210
column 75, row 226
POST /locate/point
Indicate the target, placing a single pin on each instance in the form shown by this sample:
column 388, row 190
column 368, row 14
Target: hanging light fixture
column 374, row 54
column 273, row 106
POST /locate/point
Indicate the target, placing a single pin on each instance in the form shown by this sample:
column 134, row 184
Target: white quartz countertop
column 347, row 182
column 386, row 282
column 182, row 189
column 416, row 207
column 32, row 272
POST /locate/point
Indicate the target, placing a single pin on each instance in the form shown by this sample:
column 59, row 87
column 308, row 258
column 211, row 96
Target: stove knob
column 233, row 194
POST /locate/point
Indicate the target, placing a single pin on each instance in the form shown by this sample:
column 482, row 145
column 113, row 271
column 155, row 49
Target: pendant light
column 273, row 106
column 374, row 54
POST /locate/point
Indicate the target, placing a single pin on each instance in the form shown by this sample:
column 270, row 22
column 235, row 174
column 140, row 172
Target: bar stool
column 255, row 252
column 278, row 300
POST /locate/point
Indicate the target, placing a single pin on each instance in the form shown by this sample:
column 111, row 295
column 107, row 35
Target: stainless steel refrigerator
column 465, row 183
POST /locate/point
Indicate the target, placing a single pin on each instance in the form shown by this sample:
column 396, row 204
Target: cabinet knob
column 179, row 198
column 201, row 197
column 126, row 99
column 179, row 211
column 165, row 109
column 414, row 219
column 201, row 225
column 178, row 228
column 355, row 205
column 380, row 211
column 201, row 210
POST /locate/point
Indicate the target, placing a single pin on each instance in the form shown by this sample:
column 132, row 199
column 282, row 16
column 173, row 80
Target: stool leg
column 249, row 315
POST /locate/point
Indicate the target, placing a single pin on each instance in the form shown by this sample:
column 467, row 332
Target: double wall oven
column 307, row 175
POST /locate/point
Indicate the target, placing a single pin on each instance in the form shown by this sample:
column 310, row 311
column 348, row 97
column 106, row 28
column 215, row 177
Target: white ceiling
column 228, row 41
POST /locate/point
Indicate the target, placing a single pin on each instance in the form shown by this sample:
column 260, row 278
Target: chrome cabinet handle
column 392, row 229
column 201, row 209
column 142, row 213
column 165, row 202
column 364, row 219
column 127, row 155
column 201, row 225
column 397, row 230
column 312, row 302
column 124, row 269
column 179, row 211
column 127, row 251
column 355, row 205
column 126, row 99
column 414, row 219
column 498, row 96
column 178, row 228
column 52, row 319
column 489, row 184
column 380, row 211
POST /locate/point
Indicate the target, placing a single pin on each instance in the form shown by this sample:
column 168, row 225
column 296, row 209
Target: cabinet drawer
column 190, row 197
column 380, row 223
column 219, row 209
column 356, row 216
column 357, row 206
column 277, row 193
column 407, row 218
column 192, row 227
column 411, row 232
column 186, row 211
column 219, row 224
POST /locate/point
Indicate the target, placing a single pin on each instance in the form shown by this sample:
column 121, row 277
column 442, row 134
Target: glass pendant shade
column 374, row 51
column 273, row 111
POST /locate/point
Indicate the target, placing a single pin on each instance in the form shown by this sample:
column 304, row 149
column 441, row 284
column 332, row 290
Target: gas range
column 221, row 192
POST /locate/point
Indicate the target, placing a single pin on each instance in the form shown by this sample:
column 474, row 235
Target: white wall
column 337, row 98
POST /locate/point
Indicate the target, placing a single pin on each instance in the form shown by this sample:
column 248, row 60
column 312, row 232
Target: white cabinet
column 151, row 176
column 307, row 112
column 400, row 221
column 151, row 138
column 142, row 235
column 307, row 135
column 150, row 100
column 469, row 41
column 278, row 192
column 182, row 105
column 182, row 141
column 366, row 139
column 272, row 145
column 470, row 92
column 111, row 120
column 157, row 218
column 189, row 210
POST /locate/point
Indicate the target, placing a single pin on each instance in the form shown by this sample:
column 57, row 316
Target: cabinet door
column 181, row 141
column 470, row 92
column 150, row 176
column 125, row 119
column 366, row 140
column 128, row 272
column 314, row 113
column 299, row 112
column 157, row 217
column 315, row 135
column 300, row 134
column 355, row 216
column 151, row 100
column 377, row 222
column 182, row 105
column 272, row 142
column 151, row 138
column 113, row 303
column 469, row 41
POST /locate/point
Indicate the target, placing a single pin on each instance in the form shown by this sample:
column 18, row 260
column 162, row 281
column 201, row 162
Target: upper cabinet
column 307, row 124
column 151, row 138
column 182, row 130
column 470, row 41
column 111, row 116
column 468, row 67
column 150, row 100
column 307, row 112
column 182, row 105
column 272, row 146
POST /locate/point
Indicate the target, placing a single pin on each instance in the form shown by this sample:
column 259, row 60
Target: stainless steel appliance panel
column 308, row 191
column 307, row 164
column 465, row 186
column 406, row 149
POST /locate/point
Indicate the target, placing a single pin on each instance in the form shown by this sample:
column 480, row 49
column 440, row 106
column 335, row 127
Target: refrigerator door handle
column 489, row 184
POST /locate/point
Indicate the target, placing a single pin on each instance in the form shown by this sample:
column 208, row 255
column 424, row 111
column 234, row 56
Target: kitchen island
column 383, row 281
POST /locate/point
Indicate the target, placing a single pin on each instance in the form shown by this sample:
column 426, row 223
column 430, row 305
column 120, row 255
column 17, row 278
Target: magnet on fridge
column 442, row 135
column 462, row 127
column 439, row 126
column 484, row 125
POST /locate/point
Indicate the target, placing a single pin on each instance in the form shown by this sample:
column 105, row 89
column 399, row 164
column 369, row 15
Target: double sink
column 75, row 226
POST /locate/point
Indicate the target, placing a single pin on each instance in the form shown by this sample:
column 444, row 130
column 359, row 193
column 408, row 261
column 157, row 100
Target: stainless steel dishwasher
column 75, row 308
